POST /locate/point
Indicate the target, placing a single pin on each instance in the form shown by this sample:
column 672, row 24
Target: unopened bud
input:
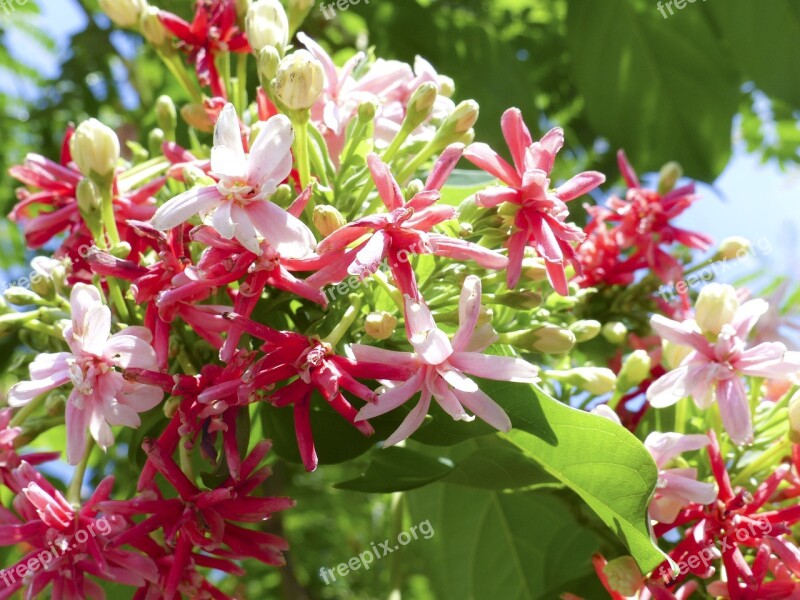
column 447, row 87
column 668, row 176
column 524, row 300
column 634, row 371
column 171, row 406
column 615, row 332
column 585, row 330
column 380, row 325
column 20, row 296
column 420, row 105
column 267, row 25
column 283, row 196
column 47, row 276
column 548, row 339
column 167, row 116
column 153, row 29
column 124, row 13
column 155, row 141
column 299, row 80
column 196, row 116
column 11, row 322
column 298, row 10
column 414, row 187
column 268, row 62
column 716, row 306
column 533, row 268
column 121, row 250
column 327, row 219
column 55, row 404
column 89, row 202
column 734, row 247
column 673, row 354
column 595, row 380
column 624, row 576
column 195, row 177
column 465, row 230
column 95, row 148
column 457, row 124
column 366, row 111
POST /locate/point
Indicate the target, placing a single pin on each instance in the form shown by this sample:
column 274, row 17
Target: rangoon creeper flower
column 238, row 206
column 101, row 396
column 439, row 365
column 299, row 80
column 95, row 148
column 540, row 218
column 678, row 487
column 713, row 370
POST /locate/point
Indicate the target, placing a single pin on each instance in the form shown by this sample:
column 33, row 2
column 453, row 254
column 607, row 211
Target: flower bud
column 465, row 230
column 615, row 332
column 734, row 247
column 89, row 202
column 298, row 10
column 124, row 13
column 414, row 187
column 196, row 116
column 153, row 29
column 48, row 275
column 95, row 148
column 20, row 296
column 171, row 406
column 524, row 300
column 794, row 418
column 380, row 325
column 456, row 124
column 420, row 105
column 195, row 177
column 121, row 250
column 155, row 141
column 447, row 87
column 668, row 177
column 55, row 404
column 624, row 576
column 595, row 380
column 366, row 111
column 299, row 80
column 267, row 25
column 673, row 354
column 634, row 371
column 716, row 306
column 585, row 330
column 548, row 339
column 167, row 116
column 327, row 219
column 12, row 321
column 533, row 268
column 268, row 61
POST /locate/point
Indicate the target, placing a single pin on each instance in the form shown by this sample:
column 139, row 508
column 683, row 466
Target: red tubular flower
column 403, row 232
column 205, row 519
column 213, row 30
column 540, row 220
column 311, row 365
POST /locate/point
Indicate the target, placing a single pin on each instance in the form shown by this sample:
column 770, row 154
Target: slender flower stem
column 185, row 459
column 23, row 413
column 347, row 321
column 241, row 82
column 301, row 152
column 109, row 222
column 175, row 66
column 74, row 490
column 767, row 458
column 427, row 151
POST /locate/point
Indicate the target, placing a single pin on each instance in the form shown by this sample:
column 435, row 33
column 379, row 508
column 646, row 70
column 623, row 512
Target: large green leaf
column 661, row 88
column 398, row 469
column 599, row 460
column 488, row 545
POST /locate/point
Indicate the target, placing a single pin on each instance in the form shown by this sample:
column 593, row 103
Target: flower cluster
column 186, row 307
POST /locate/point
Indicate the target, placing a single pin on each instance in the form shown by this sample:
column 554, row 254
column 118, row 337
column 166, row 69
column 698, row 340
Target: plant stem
column 347, row 321
column 301, row 153
column 74, row 490
column 176, row 67
column 775, row 452
column 23, row 413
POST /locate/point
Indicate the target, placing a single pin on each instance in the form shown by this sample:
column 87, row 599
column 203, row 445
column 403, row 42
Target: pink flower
column 403, row 232
column 541, row 217
column 713, row 370
column 439, row 365
column 238, row 205
column 677, row 488
column 101, row 396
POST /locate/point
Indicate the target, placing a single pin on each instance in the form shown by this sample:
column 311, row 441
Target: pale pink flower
column 714, row 369
column 676, row 487
column 101, row 397
column 439, row 365
column 238, row 206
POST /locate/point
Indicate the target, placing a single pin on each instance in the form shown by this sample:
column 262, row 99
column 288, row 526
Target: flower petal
column 227, row 154
column 412, row 422
column 469, row 309
column 485, row 408
column 184, row 206
column 270, row 159
column 287, row 234
column 500, row 368
column 735, row 410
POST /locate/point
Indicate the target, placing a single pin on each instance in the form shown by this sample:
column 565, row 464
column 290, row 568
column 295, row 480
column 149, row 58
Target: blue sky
column 759, row 202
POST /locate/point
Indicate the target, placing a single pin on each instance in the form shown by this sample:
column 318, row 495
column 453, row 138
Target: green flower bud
column 55, row 404
column 124, row 13
column 366, row 111
column 195, row 177
column 669, row 175
column 327, row 219
column 624, row 576
column 155, row 139
column 268, row 62
column 548, row 339
column 47, row 276
column 380, row 325
column 595, row 380
column 95, row 148
column 673, row 354
column 615, row 332
column 298, row 10
column 585, row 330
column 167, row 116
column 152, row 28
column 299, row 80
column 196, row 116
column 457, row 124
column 414, row 187
column 634, row 371
column 267, row 25
column 447, row 87
column 523, row 300
column 533, row 268
column 171, row 406
column 89, row 202
column 11, row 322
column 420, row 105
column 716, row 306
column 734, row 247
column 20, row 296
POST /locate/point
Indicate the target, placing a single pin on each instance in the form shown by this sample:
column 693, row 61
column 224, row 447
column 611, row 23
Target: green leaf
column 488, row 545
column 398, row 469
column 662, row 89
column 600, row 461
column 463, row 183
